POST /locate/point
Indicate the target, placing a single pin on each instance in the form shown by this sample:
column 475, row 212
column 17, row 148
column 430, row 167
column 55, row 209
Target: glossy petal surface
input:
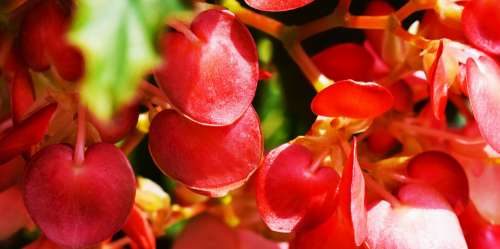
column 211, row 80
column 212, row 160
column 346, row 228
column 424, row 221
column 479, row 21
column 79, row 205
column 352, row 99
column 287, row 190
column 483, row 84
column 346, row 61
column 443, row 173
column 277, row 5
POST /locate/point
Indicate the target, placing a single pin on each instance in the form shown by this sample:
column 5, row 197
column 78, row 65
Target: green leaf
column 117, row 38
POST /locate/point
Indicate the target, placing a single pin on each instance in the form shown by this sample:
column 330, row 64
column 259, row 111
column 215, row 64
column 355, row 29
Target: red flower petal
column 424, row 221
column 139, row 230
column 29, row 132
column 252, row 240
column 22, row 95
column 346, row 228
column 443, row 173
column 11, row 172
column 483, row 84
column 13, row 215
column 346, row 61
column 79, row 205
column 480, row 20
column 287, row 190
column 212, row 80
column 207, row 232
column 438, row 84
column 211, row 160
column 277, row 5
column 352, row 99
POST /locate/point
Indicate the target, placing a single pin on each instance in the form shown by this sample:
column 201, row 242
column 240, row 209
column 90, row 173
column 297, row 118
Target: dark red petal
column 13, row 215
column 252, row 240
column 40, row 29
column 277, row 5
column 381, row 141
column 483, row 84
column 480, row 20
column 346, row 61
column 22, row 95
column 443, row 173
column 287, row 190
column 139, row 230
column 213, row 80
column 11, row 173
column 67, row 60
column 207, row 232
column 122, row 123
column 78, row 206
column 352, row 99
column 29, row 132
column 208, row 159
column 403, row 96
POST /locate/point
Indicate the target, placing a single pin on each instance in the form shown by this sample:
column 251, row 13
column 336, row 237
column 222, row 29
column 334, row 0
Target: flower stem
column 409, row 128
column 367, row 22
column 411, row 7
column 325, row 23
column 132, row 141
column 317, row 163
column 79, row 152
column 312, row 73
column 381, row 191
column 153, row 91
column 184, row 29
column 263, row 23
column 118, row 244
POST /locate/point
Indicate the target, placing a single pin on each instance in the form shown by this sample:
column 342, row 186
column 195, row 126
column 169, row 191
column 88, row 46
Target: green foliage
column 272, row 106
column 117, row 38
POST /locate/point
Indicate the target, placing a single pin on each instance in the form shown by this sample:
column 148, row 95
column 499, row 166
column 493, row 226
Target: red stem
column 132, row 141
column 381, row 191
column 79, row 155
column 317, row 163
column 154, row 91
column 184, row 29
